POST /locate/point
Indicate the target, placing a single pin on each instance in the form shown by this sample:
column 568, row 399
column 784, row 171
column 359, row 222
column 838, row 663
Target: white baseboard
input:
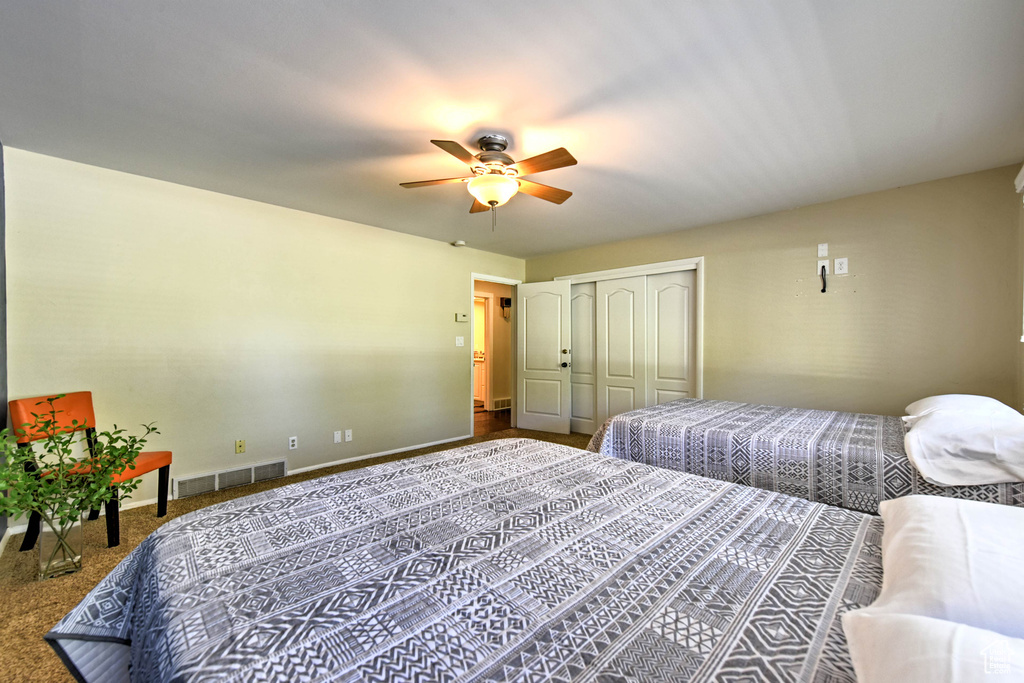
column 376, row 455
column 22, row 528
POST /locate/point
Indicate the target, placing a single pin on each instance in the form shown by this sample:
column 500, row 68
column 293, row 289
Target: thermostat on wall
column 462, row 317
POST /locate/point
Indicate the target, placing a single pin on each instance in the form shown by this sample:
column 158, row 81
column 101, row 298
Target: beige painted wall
column 1020, row 307
column 222, row 318
column 931, row 305
column 501, row 342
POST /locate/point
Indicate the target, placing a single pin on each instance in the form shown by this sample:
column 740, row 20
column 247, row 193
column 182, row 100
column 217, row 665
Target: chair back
column 70, row 408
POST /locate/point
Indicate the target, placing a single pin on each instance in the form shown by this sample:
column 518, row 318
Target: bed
column 851, row 460
column 504, row 560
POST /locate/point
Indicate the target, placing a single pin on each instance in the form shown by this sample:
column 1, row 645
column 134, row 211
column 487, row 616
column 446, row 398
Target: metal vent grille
column 195, row 485
column 502, row 403
column 226, row 480
column 271, row 470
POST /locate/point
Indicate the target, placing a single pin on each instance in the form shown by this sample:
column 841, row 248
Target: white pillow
column 957, row 560
column 963, row 449
column 951, row 593
column 913, row 649
column 964, row 403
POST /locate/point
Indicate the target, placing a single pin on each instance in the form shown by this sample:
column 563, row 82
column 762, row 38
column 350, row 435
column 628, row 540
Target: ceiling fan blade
column 545, row 192
column 442, row 181
column 457, row 151
column 556, row 158
column 478, row 207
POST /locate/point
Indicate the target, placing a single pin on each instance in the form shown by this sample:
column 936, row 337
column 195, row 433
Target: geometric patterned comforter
column 504, row 560
column 851, row 460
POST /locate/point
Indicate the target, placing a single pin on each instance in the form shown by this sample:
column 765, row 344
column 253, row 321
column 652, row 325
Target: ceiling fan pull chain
column 494, row 219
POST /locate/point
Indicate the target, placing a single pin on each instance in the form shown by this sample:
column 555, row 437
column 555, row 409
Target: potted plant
column 61, row 482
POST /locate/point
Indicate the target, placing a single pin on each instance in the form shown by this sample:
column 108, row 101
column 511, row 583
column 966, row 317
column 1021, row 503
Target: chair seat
column 145, row 462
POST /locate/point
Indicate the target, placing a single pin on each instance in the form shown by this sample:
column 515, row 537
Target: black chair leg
column 94, row 515
column 165, row 480
column 32, row 533
column 113, row 523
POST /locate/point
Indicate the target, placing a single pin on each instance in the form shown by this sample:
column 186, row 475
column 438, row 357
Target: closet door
column 671, row 349
column 584, row 359
column 621, row 346
column 543, row 356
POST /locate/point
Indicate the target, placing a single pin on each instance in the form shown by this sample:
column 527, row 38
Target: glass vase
column 60, row 547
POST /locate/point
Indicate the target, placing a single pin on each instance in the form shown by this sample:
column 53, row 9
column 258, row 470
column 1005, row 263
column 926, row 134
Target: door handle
column 565, row 365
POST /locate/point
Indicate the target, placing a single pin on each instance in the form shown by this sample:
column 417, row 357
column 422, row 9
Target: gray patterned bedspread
column 504, row 560
column 852, row 460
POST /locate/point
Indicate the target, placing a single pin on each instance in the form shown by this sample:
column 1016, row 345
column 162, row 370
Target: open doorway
column 492, row 357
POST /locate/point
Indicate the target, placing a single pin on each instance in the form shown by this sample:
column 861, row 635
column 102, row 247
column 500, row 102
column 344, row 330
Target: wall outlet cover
column 460, row 341
column 293, row 443
column 240, row 446
column 337, row 437
column 817, row 271
column 842, row 266
column 348, row 435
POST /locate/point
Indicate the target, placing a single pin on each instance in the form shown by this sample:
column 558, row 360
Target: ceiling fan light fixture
column 493, row 189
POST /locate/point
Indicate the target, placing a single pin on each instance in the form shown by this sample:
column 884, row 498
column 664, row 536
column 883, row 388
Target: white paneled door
column 544, row 355
column 626, row 343
column 621, row 346
column 584, row 359
column 671, row 351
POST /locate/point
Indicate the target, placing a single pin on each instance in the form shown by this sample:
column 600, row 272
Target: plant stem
column 61, row 542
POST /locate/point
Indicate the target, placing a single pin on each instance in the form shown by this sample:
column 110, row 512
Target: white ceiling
column 680, row 113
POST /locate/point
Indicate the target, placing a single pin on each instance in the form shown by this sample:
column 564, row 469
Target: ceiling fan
column 496, row 176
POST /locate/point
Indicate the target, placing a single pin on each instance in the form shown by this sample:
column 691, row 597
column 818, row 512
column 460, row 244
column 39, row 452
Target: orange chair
column 77, row 407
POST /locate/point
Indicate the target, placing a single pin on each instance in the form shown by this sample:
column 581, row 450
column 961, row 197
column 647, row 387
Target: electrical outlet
column 348, row 435
column 293, row 443
column 820, row 265
column 240, row 446
column 460, row 341
column 842, row 266
column 337, row 437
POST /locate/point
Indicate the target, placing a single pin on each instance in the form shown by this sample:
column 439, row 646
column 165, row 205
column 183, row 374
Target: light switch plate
column 817, row 271
column 822, row 251
column 842, row 266
column 460, row 341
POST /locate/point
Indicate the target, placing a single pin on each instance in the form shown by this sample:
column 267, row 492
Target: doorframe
column 488, row 343
column 696, row 264
column 497, row 279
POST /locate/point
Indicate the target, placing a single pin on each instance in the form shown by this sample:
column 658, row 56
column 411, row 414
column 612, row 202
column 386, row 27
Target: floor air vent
column 205, row 483
column 271, row 470
column 195, row 485
column 226, row 480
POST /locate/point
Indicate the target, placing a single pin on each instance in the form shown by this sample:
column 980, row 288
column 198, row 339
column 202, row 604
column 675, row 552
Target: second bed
column 851, row 460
